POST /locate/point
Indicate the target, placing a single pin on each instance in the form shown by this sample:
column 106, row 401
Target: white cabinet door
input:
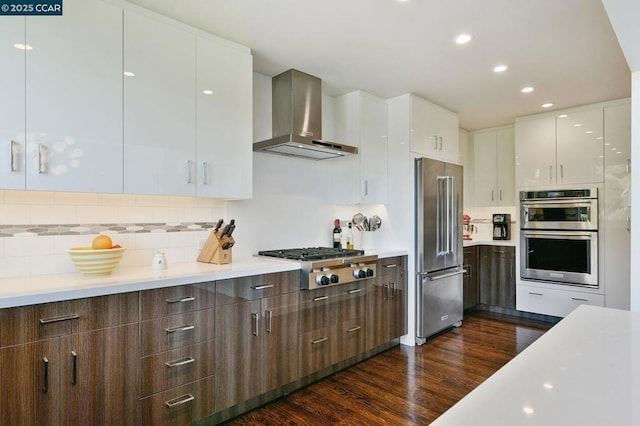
column 12, row 121
column 159, row 107
column 556, row 302
column 373, row 149
column 484, row 166
column 580, row 147
column 505, row 152
column 535, row 151
column 617, row 205
column 434, row 130
column 224, row 120
column 74, row 99
column 448, row 130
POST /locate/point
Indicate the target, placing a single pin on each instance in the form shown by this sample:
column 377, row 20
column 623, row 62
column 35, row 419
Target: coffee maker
column 501, row 226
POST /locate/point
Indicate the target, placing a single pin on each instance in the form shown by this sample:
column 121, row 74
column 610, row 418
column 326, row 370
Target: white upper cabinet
column 66, row 96
column 361, row 121
column 493, row 154
column 434, row 130
column 562, row 149
column 224, row 151
column 12, row 119
column 159, row 107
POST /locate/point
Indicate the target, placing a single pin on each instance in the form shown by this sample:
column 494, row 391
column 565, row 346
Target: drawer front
column 352, row 301
column 352, row 336
column 179, row 406
column 319, row 310
column 172, row 332
column 240, row 290
column 318, row 350
column 553, row 302
column 390, row 266
column 177, row 367
column 162, row 302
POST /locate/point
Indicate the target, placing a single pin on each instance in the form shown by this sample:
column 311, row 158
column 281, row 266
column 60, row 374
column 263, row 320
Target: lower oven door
column 566, row 257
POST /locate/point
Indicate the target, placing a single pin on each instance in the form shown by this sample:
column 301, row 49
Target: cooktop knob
column 360, row 273
column 322, row 280
column 334, row 279
column 369, row 272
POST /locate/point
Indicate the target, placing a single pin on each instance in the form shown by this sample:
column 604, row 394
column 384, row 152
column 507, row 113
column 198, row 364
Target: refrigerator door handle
column 442, row 209
column 449, row 214
column 440, row 277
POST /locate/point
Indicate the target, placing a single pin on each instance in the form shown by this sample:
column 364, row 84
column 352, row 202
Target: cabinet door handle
column 435, row 139
column 535, row 294
column 354, row 291
column 269, row 315
column 352, row 329
column 629, row 223
column 628, row 165
column 262, row 287
column 500, row 195
column 393, row 290
column 440, row 137
column 180, row 329
column 45, row 367
column 319, row 340
column 562, row 172
column 74, row 367
column 492, row 195
column 180, row 400
column 180, row 362
column 205, row 173
column 386, row 291
column 181, row 299
column 579, row 299
column 318, row 299
column 189, row 171
column 256, row 324
column 59, row 319
column 551, row 174
column 13, row 155
column 42, row 152
column 392, row 265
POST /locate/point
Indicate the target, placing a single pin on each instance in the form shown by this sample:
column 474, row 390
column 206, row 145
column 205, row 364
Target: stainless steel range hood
column 297, row 119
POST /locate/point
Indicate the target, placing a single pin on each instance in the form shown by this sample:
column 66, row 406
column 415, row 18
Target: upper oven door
column 560, row 214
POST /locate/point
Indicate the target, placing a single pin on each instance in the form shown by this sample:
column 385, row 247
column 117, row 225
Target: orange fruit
column 101, row 242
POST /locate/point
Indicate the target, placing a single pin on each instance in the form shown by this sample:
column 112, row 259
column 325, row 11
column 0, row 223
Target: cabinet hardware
column 578, row 299
column 205, row 173
column 59, row 319
column 628, row 165
column 364, row 188
column 391, row 265
column 393, row 289
column 181, row 299
column 45, row 366
column 262, row 287
column 189, row 171
column 550, row 173
column 562, row 172
column 440, row 137
column 386, row 291
column 180, row 400
column 12, row 157
column 319, row 340
column 74, row 367
column 500, row 195
column 352, row 329
column 355, row 290
column 318, row 299
column 179, row 329
column 256, row 324
column 179, row 362
column 269, row 315
column 41, row 154
column 435, row 139
column 629, row 223
column 492, row 195
column 536, row 294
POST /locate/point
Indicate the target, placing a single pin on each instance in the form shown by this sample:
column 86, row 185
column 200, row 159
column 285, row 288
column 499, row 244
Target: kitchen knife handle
column 41, row 154
column 74, row 367
column 45, row 367
column 269, row 315
column 180, row 400
column 205, row 173
column 12, row 156
column 256, row 324
column 189, row 171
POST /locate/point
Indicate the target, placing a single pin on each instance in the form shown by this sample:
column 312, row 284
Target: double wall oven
column 559, row 236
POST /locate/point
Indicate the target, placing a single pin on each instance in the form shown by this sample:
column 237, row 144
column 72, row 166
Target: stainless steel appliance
column 559, row 236
column 297, row 119
column 501, row 226
column 438, row 215
column 328, row 266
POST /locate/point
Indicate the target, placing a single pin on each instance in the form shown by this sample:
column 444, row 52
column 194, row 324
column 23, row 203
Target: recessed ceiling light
column 207, row 92
column 589, row 132
column 527, row 89
column 600, row 137
column 463, row 38
column 22, row 46
column 563, row 116
column 128, row 74
column 577, row 125
column 500, row 68
column 528, row 410
column 547, row 105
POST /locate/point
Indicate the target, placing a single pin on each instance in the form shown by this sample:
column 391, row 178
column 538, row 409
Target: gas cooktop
column 311, row 253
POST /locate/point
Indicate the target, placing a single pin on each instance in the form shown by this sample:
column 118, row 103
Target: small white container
column 159, row 261
column 368, row 240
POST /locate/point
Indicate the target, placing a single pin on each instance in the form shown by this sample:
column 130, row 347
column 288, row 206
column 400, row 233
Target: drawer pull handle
column 319, row 340
column 181, row 299
column 262, row 287
column 392, row 265
column 269, row 315
column 536, row 294
column 181, row 328
column 352, row 329
column 256, row 324
column 579, row 299
column 59, row 319
column 318, row 299
column 45, row 366
column 355, row 290
column 74, row 367
column 180, row 400
column 180, row 362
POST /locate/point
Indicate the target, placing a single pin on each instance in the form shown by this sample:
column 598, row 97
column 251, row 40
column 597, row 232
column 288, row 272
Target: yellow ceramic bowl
column 95, row 262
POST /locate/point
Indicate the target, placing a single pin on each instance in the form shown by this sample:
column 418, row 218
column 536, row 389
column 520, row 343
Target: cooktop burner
column 311, row 253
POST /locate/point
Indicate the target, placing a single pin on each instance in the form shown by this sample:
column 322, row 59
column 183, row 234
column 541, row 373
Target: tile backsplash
column 37, row 228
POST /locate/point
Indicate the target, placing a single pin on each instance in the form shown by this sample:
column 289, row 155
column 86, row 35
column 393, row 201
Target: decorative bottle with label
column 337, row 234
column 350, row 238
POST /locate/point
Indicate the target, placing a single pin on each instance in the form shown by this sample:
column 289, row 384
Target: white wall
column 635, row 191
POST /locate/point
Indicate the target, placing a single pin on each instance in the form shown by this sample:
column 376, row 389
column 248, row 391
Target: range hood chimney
column 297, row 119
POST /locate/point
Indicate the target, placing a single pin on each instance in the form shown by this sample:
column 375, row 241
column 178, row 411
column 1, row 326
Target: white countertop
column 30, row 290
column 471, row 243
column 584, row 371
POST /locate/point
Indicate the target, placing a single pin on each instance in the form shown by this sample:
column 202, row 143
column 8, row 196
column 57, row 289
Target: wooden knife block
column 212, row 252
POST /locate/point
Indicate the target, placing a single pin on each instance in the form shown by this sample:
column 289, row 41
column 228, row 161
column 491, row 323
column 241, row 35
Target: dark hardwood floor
column 406, row 385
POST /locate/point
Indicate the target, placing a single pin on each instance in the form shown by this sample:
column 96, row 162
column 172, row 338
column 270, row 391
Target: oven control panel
column 343, row 274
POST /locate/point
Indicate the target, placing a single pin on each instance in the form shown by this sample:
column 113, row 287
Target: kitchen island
column 584, row 371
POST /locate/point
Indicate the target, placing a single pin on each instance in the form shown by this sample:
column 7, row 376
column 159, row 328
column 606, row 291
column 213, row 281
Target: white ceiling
column 566, row 49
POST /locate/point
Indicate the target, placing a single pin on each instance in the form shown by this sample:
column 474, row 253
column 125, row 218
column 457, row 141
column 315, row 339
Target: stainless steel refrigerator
column 438, row 215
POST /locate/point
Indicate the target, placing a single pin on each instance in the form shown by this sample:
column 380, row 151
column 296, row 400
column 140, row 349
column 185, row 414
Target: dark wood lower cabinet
column 470, row 288
column 318, row 349
column 497, row 276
